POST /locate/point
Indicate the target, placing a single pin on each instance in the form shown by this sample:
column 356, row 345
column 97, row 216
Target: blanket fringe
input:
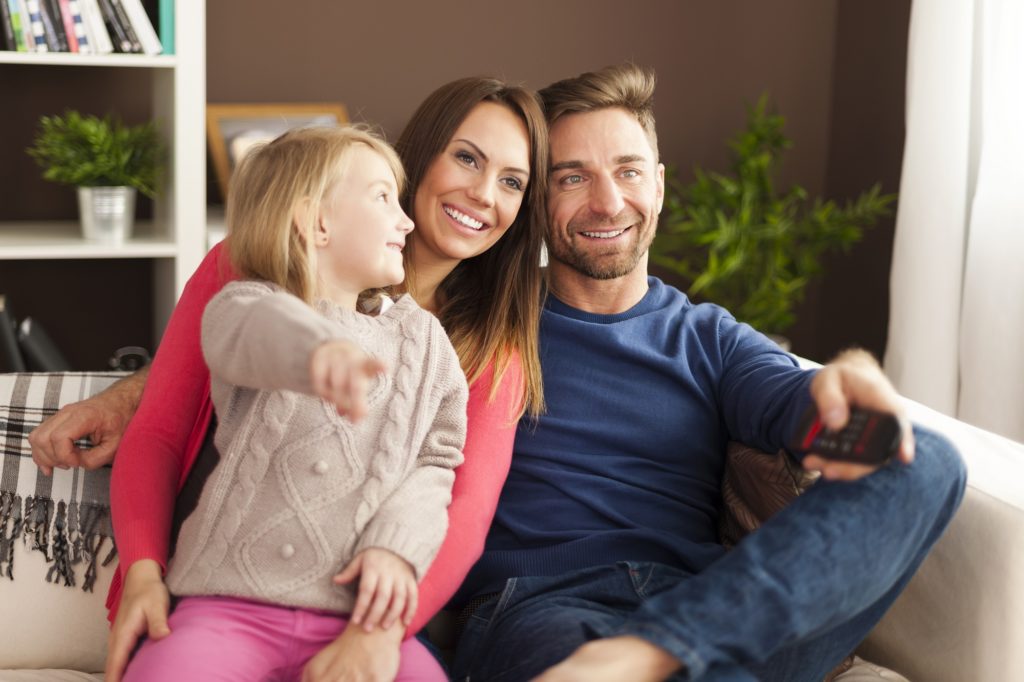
column 67, row 535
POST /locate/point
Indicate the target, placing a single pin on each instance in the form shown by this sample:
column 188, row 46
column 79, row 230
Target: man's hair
column 626, row 86
column 268, row 190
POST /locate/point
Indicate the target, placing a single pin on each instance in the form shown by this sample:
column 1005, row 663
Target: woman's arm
column 162, row 439
column 490, row 431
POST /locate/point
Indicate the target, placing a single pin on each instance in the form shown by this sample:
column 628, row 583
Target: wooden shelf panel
column 63, row 240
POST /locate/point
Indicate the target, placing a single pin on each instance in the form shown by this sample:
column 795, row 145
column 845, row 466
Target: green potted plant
column 107, row 161
column 736, row 241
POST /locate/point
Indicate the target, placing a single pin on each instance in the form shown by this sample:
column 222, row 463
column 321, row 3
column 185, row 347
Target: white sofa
column 961, row 619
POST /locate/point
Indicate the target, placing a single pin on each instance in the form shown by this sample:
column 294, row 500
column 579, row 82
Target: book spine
column 126, row 24
column 5, row 17
column 114, row 28
column 50, row 28
column 16, row 24
column 99, row 38
column 166, row 20
column 78, row 27
column 68, row 24
column 143, row 26
column 36, row 26
column 10, row 355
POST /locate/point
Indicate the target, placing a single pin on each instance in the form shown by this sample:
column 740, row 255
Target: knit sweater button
column 320, row 467
column 287, row 551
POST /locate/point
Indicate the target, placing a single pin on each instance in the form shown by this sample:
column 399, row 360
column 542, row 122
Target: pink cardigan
column 163, row 439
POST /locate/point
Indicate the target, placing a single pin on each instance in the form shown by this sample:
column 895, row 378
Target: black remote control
column 869, row 437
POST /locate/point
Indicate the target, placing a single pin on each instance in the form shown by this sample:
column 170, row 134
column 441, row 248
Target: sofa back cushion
column 56, row 545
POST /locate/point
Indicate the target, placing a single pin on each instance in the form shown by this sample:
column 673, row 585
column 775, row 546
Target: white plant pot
column 107, row 213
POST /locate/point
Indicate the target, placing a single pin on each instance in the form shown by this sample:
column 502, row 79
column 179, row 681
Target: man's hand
column 103, row 418
column 144, row 606
column 612, row 660
column 340, row 373
column 357, row 656
column 854, row 378
column 387, row 588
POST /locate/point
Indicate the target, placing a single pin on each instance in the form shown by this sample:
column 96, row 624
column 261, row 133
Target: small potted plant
column 734, row 240
column 107, row 161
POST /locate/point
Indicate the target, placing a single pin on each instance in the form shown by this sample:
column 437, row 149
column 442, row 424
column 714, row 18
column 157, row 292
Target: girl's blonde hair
column 274, row 200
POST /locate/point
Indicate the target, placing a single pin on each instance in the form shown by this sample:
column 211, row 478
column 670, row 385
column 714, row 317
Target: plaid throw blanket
column 65, row 516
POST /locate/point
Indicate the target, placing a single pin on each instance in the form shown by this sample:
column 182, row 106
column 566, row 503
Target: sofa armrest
column 962, row 616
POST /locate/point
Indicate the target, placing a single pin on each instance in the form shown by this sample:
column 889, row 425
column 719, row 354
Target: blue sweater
column 627, row 462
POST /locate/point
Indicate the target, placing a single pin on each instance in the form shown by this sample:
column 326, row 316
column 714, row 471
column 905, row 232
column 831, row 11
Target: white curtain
column 956, row 327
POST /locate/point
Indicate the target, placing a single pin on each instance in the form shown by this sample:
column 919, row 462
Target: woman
column 476, row 155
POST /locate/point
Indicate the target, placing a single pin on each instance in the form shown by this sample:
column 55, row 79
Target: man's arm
column 102, row 418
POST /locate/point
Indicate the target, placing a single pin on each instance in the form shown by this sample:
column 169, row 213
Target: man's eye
column 572, row 179
column 630, row 173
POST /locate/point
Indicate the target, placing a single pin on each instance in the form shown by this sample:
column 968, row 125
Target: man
column 603, row 562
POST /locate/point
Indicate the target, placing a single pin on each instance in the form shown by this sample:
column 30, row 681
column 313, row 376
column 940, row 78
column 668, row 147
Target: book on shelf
column 18, row 25
column 64, row 6
column 35, row 22
column 79, row 28
column 165, row 12
column 114, row 28
column 144, row 30
column 10, row 354
column 54, row 27
column 126, row 24
column 9, row 42
column 38, row 349
column 95, row 29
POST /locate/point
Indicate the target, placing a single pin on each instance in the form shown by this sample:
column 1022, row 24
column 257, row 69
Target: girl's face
column 472, row 191
column 361, row 229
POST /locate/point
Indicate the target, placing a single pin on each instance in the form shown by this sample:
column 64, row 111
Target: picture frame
column 232, row 129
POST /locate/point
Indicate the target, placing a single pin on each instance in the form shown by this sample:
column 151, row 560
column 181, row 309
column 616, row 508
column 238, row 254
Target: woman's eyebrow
column 483, row 156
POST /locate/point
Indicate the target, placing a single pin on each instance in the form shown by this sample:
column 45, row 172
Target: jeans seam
column 503, row 599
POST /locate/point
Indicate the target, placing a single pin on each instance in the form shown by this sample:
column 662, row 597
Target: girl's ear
column 308, row 223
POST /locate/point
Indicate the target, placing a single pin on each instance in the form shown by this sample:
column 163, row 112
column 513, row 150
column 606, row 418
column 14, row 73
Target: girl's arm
column 490, row 431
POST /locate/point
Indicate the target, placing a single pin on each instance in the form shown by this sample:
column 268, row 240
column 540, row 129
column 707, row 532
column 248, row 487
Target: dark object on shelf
column 129, row 358
column 10, row 356
column 40, row 352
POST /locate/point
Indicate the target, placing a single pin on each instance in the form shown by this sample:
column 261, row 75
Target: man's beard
column 602, row 266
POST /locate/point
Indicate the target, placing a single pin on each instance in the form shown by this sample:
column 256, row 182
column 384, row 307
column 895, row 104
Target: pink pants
column 218, row 638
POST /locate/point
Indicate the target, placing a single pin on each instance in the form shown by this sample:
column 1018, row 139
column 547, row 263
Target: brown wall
column 834, row 69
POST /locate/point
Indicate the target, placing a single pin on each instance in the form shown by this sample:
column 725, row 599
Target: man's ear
column 661, row 187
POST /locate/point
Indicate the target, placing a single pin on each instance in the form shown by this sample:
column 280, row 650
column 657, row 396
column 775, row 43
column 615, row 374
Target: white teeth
column 603, row 235
column 463, row 219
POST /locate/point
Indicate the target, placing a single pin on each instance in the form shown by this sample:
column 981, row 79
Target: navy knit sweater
column 627, row 462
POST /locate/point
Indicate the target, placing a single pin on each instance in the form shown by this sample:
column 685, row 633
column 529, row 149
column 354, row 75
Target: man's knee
column 938, row 473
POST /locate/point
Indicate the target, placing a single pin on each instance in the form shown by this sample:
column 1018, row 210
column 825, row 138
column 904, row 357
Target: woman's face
column 472, row 191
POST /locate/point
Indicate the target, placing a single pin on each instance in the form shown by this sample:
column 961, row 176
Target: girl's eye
column 383, row 196
column 514, row 183
column 466, row 158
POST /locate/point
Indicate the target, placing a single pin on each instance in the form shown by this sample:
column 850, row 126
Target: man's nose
column 606, row 197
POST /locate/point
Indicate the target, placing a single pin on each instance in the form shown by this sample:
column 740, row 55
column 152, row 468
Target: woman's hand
column 144, row 606
column 357, row 656
column 103, row 418
column 340, row 373
column 387, row 588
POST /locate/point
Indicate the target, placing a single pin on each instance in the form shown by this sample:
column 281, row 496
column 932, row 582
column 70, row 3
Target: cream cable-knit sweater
column 299, row 491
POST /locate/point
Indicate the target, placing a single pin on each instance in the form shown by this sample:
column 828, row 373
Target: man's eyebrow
column 630, row 158
column 578, row 165
column 567, row 165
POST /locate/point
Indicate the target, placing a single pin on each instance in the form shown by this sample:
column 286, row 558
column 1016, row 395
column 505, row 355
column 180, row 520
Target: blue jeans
column 786, row 604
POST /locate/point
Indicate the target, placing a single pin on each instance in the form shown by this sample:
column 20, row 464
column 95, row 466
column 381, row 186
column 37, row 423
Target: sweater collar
column 652, row 300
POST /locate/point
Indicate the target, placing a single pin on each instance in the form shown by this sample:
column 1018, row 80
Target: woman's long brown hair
column 490, row 303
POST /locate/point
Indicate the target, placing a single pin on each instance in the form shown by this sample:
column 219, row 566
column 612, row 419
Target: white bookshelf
column 176, row 237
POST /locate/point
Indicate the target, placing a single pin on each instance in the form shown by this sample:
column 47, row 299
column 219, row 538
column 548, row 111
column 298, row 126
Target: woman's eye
column 514, row 183
column 466, row 158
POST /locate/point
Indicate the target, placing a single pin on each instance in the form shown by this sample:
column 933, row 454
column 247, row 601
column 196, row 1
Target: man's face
column 605, row 193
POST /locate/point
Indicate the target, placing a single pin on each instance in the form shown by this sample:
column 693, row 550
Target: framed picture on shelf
column 232, row 129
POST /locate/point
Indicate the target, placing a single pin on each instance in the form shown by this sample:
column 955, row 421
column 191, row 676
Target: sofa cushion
column 56, row 544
